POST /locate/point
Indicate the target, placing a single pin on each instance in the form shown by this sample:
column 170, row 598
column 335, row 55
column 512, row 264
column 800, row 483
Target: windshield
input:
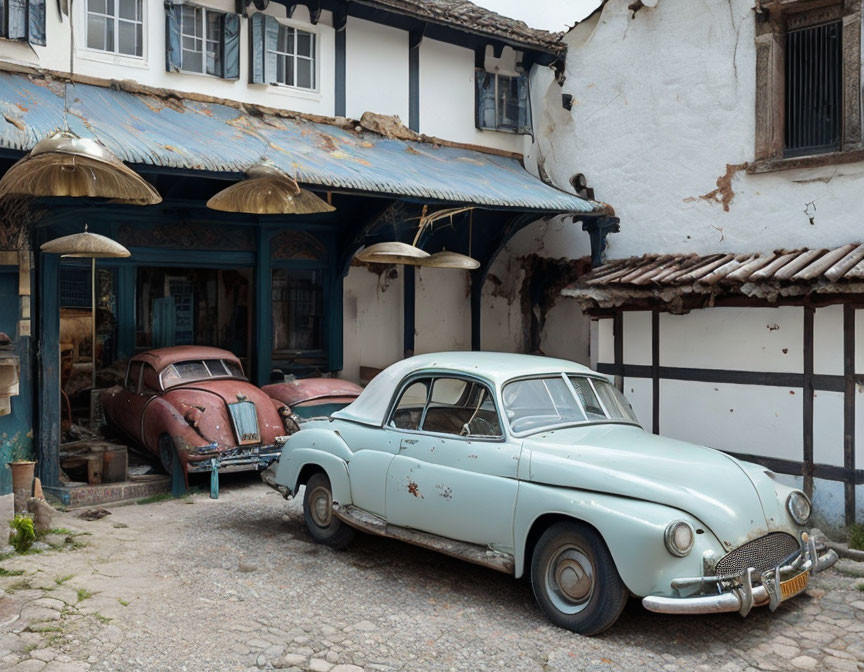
column 184, row 372
column 534, row 404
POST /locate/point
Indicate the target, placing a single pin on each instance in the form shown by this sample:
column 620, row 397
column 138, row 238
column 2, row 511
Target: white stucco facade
column 662, row 103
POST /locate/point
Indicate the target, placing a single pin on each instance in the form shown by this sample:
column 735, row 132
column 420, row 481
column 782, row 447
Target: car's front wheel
column 575, row 580
column 318, row 514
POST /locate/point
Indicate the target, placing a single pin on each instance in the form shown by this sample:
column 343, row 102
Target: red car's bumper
column 240, row 458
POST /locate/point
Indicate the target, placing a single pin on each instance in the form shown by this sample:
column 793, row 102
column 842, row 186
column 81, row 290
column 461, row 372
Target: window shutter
column 36, row 22
column 524, row 98
column 271, row 39
column 173, row 42
column 256, row 48
column 16, row 20
column 231, row 46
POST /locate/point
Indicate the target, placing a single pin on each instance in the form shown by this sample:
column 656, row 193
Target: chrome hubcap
column 570, row 579
column 321, row 506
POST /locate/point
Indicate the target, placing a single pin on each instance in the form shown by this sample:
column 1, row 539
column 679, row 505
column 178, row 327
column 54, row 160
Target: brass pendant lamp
column 267, row 190
column 65, row 165
column 411, row 255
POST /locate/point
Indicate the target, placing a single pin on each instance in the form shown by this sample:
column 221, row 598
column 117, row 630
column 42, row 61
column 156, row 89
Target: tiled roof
column 668, row 277
column 475, row 19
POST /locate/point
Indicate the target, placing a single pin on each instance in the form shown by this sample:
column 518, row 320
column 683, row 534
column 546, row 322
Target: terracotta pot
column 22, row 483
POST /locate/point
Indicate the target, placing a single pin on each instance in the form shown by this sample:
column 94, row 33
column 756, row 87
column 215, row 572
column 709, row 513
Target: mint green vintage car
column 538, row 466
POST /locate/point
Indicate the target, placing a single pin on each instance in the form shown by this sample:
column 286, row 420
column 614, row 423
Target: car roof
column 162, row 357
column 496, row 367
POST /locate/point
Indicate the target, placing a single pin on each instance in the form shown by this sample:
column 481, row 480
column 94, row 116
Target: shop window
column 23, row 20
column 502, row 102
column 199, row 306
column 282, row 54
column 202, row 40
column 116, row 26
column 298, row 311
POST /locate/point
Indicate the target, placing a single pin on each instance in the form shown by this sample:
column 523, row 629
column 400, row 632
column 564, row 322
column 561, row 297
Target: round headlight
column 798, row 507
column 679, row 538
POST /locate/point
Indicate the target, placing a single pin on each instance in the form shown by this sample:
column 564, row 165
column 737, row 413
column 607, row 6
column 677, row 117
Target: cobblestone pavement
column 236, row 584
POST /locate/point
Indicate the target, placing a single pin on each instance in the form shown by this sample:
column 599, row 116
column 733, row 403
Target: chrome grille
column 763, row 553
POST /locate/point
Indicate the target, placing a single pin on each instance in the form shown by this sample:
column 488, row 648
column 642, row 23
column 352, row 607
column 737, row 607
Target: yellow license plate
column 793, row 586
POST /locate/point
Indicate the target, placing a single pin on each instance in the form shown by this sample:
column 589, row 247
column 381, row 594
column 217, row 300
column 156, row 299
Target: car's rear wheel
column 167, row 453
column 324, row 527
column 575, row 580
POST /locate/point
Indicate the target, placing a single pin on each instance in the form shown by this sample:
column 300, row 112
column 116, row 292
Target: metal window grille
column 814, row 89
column 75, row 288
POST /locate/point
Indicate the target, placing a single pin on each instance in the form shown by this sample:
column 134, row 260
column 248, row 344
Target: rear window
column 194, row 370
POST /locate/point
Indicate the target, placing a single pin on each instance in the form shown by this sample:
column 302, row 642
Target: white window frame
column 205, row 41
column 103, row 55
column 316, row 59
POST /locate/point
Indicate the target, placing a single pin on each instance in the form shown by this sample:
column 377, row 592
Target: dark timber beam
column 340, row 24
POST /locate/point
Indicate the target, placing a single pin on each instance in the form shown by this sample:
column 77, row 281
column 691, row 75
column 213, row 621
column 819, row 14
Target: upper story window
column 282, row 54
column 202, row 40
column 23, row 20
column 814, row 89
column 116, row 26
column 502, row 102
column 808, row 78
column 202, row 46
column 295, row 57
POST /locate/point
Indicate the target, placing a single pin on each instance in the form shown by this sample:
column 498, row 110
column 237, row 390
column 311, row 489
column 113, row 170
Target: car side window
column 150, row 381
column 133, row 376
column 409, row 409
column 463, row 408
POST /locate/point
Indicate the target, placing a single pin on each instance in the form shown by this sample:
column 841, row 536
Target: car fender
column 633, row 530
column 321, row 448
column 160, row 417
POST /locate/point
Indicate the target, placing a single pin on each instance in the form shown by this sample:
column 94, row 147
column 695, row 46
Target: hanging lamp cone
column 85, row 244
column 267, row 190
column 65, row 165
column 392, row 253
column 447, row 259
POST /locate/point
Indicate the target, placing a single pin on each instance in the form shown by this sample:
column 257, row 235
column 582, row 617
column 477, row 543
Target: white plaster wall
column 447, row 95
column 640, row 394
column 828, row 340
column 637, row 336
column 372, row 328
column 828, row 428
column 376, row 69
column 746, row 339
column 605, row 344
column 748, row 419
column 662, row 103
column 442, row 310
column 566, row 333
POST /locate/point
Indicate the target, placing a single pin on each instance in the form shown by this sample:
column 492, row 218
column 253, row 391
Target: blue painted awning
column 181, row 133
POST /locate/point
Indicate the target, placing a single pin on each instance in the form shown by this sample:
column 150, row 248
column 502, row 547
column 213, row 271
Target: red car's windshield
column 199, row 369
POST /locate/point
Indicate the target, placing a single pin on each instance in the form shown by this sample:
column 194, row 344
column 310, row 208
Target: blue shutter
column 484, row 83
column 16, row 28
column 173, row 49
column 271, row 39
column 231, row 46
column 256, row 48
column 36, row 22
column 524, row 98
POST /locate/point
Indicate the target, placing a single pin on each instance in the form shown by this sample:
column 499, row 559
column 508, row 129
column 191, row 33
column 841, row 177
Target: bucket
column 22, row 483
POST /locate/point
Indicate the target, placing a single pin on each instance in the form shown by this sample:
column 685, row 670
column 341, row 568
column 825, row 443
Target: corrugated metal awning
column 669, row 278
column 174, row 132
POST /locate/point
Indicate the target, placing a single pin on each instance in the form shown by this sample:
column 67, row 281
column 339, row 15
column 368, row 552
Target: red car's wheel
column 167, row 453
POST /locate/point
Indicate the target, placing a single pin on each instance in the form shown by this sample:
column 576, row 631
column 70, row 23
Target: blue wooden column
column 48, row 358
column 408, row 307
column 125, row 311
column 335, row 316
column 263, row 337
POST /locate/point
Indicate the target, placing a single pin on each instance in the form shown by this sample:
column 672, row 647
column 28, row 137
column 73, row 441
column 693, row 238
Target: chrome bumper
column 742, row 593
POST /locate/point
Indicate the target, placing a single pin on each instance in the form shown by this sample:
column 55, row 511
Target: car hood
column 736, row 500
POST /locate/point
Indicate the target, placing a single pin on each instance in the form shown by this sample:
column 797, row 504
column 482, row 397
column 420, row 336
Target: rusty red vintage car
column 194, row 404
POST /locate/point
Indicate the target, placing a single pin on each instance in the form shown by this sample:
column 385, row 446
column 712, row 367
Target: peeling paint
column 723, row 194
